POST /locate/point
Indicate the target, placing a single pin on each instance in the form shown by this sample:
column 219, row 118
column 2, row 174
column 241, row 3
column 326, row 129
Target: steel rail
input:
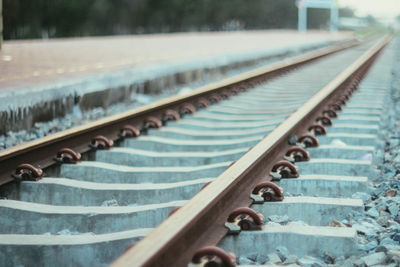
column 41, row 152
column 201, row 221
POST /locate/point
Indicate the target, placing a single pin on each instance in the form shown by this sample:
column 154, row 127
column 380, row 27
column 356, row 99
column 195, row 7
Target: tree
column 67, row 18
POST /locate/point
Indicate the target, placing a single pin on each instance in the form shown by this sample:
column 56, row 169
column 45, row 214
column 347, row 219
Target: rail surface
column 201, row 221
column 130, row 188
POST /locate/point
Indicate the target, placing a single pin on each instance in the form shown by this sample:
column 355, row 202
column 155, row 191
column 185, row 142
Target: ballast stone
column 374, row 259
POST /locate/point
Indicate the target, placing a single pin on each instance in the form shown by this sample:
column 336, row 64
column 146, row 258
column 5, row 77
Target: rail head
column 201, row 221
column 41, row 152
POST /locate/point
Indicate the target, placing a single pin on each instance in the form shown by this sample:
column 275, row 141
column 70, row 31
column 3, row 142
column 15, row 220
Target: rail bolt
column 255, row 82
column 349, row 93
column 354, row 84
column 342, row 100
column 202, row 103
column 129, row 131
column 336, row 106
column 330, row 112
column 345, row 96
column 325, row 120
column 214, row 98
column 171, row 115
column 297, row 154
column 213, row 257
column 244, row 219
column 101, row 142
column 243, row 87
column 235, row 91
column 284, row 169
column 152, row 122
column 308, row 140
column 28, row 173
column 317, row 129
column 187, row 108
column 268, row 192
column 225, row 93
column 67, row 155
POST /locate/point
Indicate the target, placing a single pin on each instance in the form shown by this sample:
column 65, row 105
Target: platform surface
column 32, row 62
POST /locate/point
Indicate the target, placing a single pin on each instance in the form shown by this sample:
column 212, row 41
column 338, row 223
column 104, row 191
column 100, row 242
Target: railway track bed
column 298, row 146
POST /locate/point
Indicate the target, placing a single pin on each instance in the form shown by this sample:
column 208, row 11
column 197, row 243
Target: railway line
column 293, row 139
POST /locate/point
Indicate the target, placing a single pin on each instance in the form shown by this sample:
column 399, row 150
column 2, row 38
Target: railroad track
column 144, row 164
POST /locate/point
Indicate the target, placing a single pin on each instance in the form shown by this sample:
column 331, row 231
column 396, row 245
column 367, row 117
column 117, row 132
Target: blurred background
column 27, row 19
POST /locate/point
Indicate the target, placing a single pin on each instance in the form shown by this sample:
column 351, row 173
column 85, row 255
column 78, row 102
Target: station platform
column 36, row 72
column 37, row 61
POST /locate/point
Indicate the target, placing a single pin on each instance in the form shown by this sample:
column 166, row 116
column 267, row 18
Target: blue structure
column 327, row 4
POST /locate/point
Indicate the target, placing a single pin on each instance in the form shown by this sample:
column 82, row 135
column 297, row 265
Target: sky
column 384, row 9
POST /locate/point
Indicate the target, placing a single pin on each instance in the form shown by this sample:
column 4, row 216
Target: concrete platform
column 44, row 79
column 82, row 56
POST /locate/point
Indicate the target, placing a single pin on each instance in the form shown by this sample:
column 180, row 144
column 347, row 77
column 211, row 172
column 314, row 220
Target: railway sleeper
column 172, row 145
column 335, row 166
column 210, row 117
column 136, row 157
column 100, row 172
column 300, row 240
column 207, row 123
column 66, row 192
column 187, row 134
column 223, row 109
column 205, row 126
column 58, row 220
column 349, row 139
column 319, row 211
column 340, row 151
column 325, row 185
column 353, row 128
column 66, row 250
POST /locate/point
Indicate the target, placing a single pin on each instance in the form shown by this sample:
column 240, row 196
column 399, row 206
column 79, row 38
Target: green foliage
column 66, row 18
